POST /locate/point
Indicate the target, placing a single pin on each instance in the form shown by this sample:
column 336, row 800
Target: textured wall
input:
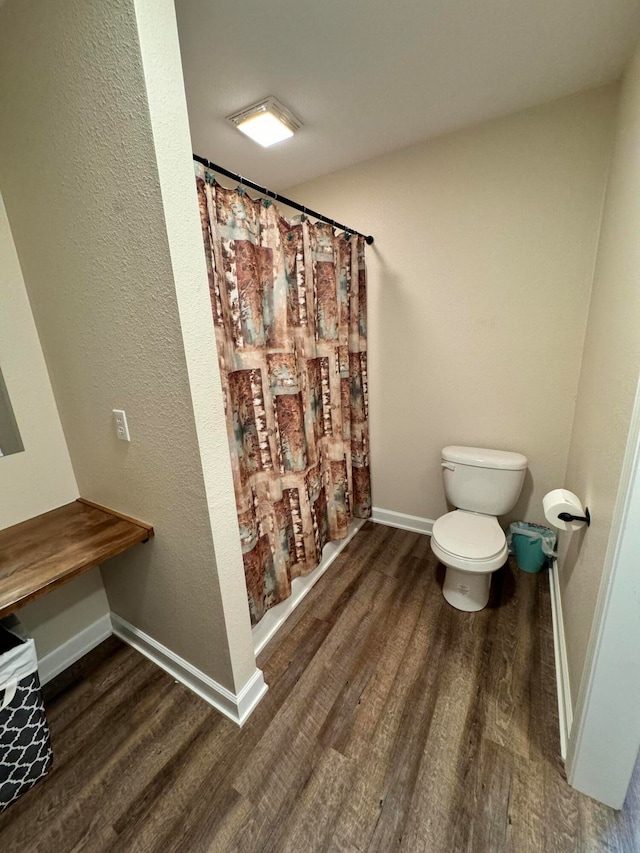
column 479, row 291
column 79, row 175
column 608, row 380
column 168, row 111
column 41, row 477
column 10, row 440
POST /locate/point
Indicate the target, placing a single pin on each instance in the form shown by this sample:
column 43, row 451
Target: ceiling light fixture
column 266, row 122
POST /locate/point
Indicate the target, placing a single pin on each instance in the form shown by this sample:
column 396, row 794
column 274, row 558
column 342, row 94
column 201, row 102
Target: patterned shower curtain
column 289, row 308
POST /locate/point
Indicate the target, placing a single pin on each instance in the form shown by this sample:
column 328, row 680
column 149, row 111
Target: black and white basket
column 25, row 749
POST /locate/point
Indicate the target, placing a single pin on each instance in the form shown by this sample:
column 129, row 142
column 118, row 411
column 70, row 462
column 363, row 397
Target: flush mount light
column 266, row 122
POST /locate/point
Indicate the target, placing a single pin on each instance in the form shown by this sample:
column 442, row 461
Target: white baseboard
column 73, row 649
column 236, row 706
column 402, row 520
column 276, row 616
column 565, row 707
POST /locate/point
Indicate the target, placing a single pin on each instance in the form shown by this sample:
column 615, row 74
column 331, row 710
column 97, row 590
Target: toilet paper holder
column 566, row 516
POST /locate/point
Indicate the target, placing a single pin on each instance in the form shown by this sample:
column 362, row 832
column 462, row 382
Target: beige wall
column 161, row 60
column 608, row 380
column 39, row 478
column 62, row 614
column 79, row 173
column 10, row 441
column 479, row 290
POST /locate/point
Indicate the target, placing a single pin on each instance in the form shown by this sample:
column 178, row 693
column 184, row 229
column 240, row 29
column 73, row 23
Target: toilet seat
column 469, row 535
column 469, row 541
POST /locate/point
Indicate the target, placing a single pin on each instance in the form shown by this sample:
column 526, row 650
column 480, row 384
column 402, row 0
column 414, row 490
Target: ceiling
column 367, row 77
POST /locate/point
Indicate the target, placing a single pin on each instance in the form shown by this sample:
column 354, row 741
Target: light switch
column 122, row 428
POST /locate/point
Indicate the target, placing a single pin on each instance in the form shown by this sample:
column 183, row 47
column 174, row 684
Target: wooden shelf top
column 46, row 551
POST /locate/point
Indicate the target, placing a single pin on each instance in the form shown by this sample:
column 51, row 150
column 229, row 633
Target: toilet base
column 466, row 590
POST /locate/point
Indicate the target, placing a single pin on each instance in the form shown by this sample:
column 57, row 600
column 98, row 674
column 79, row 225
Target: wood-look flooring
column 393, row 723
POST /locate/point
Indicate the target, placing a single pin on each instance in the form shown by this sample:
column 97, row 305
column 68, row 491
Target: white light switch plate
column 122, row 427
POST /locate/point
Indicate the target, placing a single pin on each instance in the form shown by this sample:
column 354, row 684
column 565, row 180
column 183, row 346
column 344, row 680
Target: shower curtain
column 289, row 309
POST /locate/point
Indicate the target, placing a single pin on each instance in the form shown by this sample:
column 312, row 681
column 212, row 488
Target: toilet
column 469, row 542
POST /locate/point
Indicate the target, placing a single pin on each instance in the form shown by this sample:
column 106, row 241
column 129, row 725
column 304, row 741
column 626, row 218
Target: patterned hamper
column 25, row 749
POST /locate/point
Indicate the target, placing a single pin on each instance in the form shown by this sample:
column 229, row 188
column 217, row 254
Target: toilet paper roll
column 561, row 500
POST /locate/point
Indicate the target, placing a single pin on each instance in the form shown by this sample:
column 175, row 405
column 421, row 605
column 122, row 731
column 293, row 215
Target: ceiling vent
column 266, row 122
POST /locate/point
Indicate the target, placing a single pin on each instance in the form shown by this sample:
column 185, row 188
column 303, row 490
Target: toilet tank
column 481, row 480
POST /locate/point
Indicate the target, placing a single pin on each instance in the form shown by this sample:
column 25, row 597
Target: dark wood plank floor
column 393, row 723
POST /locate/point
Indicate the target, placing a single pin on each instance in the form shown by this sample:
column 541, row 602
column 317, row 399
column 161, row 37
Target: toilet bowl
column 469, row 541
column 471, row 546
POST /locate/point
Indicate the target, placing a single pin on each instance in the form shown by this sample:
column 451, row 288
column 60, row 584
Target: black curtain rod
column 277, row 197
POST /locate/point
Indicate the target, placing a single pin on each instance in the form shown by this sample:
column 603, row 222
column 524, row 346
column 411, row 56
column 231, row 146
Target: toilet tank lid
column 481, row 457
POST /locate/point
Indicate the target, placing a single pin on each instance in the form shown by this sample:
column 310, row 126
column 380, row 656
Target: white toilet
column 469, row 541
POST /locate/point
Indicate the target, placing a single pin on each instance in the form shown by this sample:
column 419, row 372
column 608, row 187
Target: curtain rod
column 264, row 191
